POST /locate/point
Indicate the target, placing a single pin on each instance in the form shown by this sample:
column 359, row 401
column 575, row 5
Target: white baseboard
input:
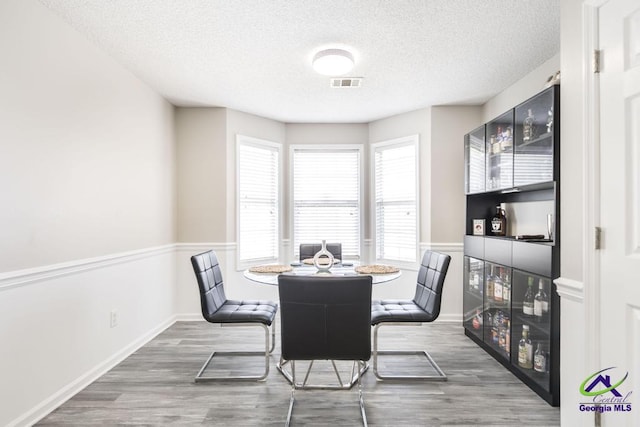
column 189, row 317
column 450, row 318
column 47, row 406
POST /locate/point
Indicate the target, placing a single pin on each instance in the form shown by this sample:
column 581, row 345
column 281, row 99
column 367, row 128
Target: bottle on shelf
column 544, row 297
column 495, row 328
column 525, row 349
column 498, row 287
column 499, row 222
column 541, row 302
column 502, row 336
column 528, row 127
column 507, row 139
column 540, row 360
column 528, row 302
column 506, row 287
column 490, row 284
column 477, row 320
column 508, row 337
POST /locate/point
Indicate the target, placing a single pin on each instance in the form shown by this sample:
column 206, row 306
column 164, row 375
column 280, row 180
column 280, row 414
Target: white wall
column 521, row 90
column 87, row 149
column 441, row 131
column 87, row 180
column 201, row 174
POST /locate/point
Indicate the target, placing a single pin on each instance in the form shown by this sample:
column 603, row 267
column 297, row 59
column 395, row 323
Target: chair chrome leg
column 441, row 376
column 281, row 366
column 273, row 336
column 361, row 398
column 201, row 378
column 293, row 395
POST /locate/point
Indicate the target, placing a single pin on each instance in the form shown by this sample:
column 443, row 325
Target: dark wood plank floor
column 155, row 386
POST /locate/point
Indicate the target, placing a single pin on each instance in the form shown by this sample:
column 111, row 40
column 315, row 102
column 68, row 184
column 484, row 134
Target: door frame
column 591, row 181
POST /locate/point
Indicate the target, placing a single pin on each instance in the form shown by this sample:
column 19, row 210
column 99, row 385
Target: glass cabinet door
column 473, row 282
column 497, row 308
column 531, row 326
column 474, row 161
column 533, row 153
column 499, row 148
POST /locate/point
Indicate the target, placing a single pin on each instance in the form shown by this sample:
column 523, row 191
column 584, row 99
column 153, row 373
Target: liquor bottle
column 540, row 360
column 540, row 301
column 497, row 287
column 527, row 303
column 497, row 319
column 502, row 335
column 506, row 288
column 507, row 139
column 490, row 284
column 499, row 222
column 525, row 350
column 544, row 297
column 528, row 127
column 508, row 337
column 477, row 320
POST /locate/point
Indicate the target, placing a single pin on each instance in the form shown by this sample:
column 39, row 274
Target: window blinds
column 326, row 198
column 395, row 187
column 258, row 200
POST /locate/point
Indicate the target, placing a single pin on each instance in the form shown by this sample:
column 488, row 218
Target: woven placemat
column 270, row 268
column 376, row 269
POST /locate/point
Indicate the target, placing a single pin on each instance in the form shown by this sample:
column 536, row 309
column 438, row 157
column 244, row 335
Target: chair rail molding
column 28, row 276
column 442, row 247
column 570, row 289
column 205, row 246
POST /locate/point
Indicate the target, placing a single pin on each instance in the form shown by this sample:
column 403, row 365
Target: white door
column 619, row 43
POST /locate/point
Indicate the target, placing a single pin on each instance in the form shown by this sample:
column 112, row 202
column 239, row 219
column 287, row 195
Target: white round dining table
column 311, row 271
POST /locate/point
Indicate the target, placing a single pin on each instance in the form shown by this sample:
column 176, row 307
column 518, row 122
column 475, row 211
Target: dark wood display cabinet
column 511, row 306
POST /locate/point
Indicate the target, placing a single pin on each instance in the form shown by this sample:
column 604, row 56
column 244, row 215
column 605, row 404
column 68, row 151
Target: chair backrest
column 431, row 275
column 209, row 275
column 325, row 317
column 308, row 250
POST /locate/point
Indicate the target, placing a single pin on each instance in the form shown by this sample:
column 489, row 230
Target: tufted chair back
column 431, row 275
column 209, row 275
column 309, row 250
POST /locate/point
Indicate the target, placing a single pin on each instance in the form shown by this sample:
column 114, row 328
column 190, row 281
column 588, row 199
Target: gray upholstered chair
column 216, row 308
column 423, row 308
column 308, row 250
column 325, row 318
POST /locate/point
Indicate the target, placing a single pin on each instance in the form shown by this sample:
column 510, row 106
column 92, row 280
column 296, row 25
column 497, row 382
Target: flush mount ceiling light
column 333, row 62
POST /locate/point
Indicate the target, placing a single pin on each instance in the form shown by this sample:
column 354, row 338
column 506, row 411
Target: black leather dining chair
column 308, row 250
column 423, row 308
column 217, row 309
column 325, row 318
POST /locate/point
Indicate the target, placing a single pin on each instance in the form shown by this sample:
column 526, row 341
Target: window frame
column 277, row 147
column 361, row 207
column 410, row 140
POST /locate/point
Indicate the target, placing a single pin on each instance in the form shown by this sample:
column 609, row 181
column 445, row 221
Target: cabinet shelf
column 544, row 137
column 540, row 326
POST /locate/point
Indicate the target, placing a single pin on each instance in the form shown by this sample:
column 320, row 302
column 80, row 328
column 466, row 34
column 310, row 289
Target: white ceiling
column 255, row 55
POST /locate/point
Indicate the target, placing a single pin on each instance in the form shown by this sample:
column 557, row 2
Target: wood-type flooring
column 155, row 386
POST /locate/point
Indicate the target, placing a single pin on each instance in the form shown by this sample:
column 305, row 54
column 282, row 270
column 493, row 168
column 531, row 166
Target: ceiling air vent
column 345, row 82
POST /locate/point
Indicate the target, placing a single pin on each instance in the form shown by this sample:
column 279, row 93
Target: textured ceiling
column 255, row 55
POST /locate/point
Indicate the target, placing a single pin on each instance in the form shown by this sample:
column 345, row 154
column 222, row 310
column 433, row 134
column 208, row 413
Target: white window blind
column 326, row 198
column 396, row 202
column 258, row 166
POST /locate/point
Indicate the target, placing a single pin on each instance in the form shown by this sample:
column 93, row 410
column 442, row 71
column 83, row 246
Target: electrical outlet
column 114, row 318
